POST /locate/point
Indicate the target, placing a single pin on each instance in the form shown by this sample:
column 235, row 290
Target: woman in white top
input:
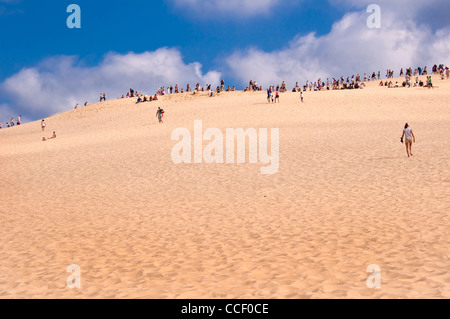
column 409, row 138
column 43, row 125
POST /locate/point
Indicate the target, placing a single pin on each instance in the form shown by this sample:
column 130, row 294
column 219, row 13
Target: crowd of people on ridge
column 273, row 92
column 12, row 122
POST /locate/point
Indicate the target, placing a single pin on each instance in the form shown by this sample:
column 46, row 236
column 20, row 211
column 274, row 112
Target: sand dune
column 105, row 195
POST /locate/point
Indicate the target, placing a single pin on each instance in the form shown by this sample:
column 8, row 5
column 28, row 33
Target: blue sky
column 37, row 29
column 46, row 67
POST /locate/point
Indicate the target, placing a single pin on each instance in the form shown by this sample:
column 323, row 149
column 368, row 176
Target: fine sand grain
column 105, row 195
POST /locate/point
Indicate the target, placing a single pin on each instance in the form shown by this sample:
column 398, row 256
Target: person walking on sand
column 160, row 114
column 301, row 96
column 277, row 97
column 43, row 125
column 408, row 138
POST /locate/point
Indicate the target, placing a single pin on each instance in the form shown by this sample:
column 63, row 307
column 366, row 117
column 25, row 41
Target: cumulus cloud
column 230, row 7
column 349, row 48
column 406, row 38
column 433, row 13
column 399, row 7
column 59, row 83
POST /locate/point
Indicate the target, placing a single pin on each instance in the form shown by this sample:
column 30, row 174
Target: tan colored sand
column 106, row 195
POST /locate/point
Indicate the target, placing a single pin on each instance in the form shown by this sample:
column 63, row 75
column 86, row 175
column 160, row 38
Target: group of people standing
column 273, row 95
column 102, row 97
column 253, row 87
column 355, row 81
column 12, row 122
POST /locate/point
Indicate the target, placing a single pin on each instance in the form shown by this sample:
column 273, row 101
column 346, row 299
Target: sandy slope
column 106, row 195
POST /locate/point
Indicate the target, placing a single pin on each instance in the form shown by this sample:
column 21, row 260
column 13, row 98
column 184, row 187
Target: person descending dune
column 160, row 115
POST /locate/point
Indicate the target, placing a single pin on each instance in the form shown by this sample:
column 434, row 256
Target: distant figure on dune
column 430, row 82
column 76, row 107
column 408, row 138
column 50, row 138
column 160, row 115
column 43, row 125
column 19, row 120
column 277, row 97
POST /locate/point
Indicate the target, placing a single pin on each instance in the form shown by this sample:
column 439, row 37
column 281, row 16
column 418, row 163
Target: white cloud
column 239, row 8
column 405, row 39
column 432, row 13
column 349, row 48
column 399, row 6
column 58, row 83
